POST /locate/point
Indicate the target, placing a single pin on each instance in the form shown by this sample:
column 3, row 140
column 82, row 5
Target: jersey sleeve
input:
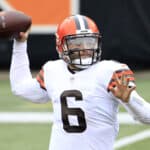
column 138, row 108
column 22, row 82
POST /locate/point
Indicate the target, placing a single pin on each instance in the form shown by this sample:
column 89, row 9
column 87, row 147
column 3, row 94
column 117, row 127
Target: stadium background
column 125, row 27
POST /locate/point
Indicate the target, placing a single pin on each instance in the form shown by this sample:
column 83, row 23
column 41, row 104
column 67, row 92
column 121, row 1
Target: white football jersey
column 85, row 112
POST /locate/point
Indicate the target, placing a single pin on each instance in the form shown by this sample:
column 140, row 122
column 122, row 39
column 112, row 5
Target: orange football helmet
column 78, row 41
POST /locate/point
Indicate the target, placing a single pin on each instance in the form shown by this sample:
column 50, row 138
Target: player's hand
column 23, row 36
column 122, row 90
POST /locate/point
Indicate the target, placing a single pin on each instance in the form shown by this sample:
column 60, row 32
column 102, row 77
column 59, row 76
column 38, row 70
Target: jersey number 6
column 66, row 111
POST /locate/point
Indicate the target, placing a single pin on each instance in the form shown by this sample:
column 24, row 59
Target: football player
column 85, row 92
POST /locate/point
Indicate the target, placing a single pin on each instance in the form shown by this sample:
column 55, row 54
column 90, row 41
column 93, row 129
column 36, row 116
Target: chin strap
column 74, row 69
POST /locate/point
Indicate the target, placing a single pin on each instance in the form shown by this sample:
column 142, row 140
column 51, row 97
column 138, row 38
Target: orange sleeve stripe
column 40, row 79
column 119, row 73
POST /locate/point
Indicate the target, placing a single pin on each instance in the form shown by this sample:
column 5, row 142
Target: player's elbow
column 26, row 95
column 18, row 90
column 15, row 91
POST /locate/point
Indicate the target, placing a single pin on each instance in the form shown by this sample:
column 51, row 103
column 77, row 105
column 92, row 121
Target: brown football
column 12, row 23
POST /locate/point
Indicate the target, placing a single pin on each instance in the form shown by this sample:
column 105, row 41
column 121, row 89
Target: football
column 12, row 23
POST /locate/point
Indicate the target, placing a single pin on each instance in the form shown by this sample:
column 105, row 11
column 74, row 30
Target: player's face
column 82, row 47
column 81, row 50
column 82, row 54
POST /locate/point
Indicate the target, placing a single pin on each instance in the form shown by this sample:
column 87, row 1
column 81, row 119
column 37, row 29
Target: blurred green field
column 35, row 136
column 11, row 103
column 24, row 136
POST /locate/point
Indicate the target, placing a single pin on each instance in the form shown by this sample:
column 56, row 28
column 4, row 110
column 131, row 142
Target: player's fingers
column 22, row 36
column 112, row 89
column 122, row 78
column 128, row 80
column 117, row 79
column 125, row 80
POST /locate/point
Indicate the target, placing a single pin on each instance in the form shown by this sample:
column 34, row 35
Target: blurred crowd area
column 124, row 26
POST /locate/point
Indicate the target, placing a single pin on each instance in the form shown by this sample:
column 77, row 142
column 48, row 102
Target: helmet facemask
column 82, row 50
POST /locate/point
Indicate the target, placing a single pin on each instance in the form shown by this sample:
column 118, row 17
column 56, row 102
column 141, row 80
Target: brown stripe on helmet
column 76, row 19
column 78, row 24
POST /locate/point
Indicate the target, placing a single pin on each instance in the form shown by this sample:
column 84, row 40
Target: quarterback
column 85, row 92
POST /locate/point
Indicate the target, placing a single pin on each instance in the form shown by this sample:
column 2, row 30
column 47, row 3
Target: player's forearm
column 22, row 83
column 139, row 108
column 19, row 70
